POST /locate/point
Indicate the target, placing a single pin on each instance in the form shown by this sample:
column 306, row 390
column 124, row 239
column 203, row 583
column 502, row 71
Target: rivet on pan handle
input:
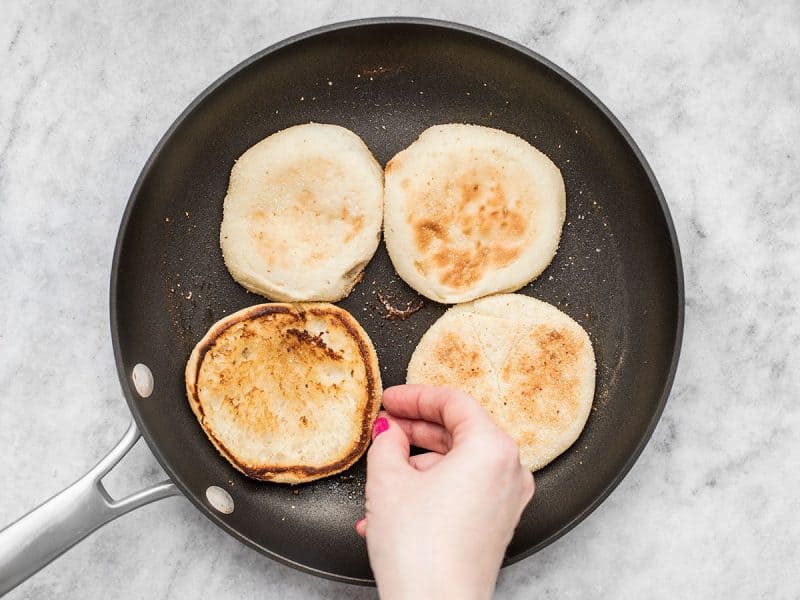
column 48, row 531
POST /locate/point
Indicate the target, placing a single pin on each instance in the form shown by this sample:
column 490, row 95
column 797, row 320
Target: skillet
column 617, row 272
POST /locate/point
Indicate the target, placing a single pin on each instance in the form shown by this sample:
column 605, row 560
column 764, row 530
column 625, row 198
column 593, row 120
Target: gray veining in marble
column 711, row 92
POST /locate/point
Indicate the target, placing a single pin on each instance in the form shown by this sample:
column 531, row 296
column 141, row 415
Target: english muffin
column 471, row 211
column 286, row 393
column 302, row 216
column 529, row 365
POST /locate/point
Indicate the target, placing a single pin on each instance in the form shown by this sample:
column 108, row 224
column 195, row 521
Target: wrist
column 462, row 583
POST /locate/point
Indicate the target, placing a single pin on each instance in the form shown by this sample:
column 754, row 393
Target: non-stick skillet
column 617, row 272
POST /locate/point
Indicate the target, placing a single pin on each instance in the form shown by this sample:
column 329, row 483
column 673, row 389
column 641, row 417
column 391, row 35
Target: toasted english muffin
column 529, row 365
column 302, row 216
column 471, row 211
column 286, row 393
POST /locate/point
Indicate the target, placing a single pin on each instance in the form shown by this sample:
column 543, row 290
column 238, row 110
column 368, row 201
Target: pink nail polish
column 360, row 521
column 381, row 425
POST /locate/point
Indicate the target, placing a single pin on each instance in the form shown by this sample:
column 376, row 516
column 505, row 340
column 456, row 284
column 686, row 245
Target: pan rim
column 126, row 385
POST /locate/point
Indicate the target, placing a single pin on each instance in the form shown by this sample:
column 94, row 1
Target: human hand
column 438, row 523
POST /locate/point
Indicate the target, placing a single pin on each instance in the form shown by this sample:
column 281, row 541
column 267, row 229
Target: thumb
column 389, row 450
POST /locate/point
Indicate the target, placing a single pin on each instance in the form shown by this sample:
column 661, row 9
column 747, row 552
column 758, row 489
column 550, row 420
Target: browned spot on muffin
column 303, row 340
column 306, row 198
column 356, row 221
column 426, row 231
column 542, row 371
column 462, row 357
column 356, row 224
column 465, row 225
column 503, row 255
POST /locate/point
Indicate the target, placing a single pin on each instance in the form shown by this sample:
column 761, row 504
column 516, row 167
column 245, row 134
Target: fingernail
column 381, row 425
column 360, row 521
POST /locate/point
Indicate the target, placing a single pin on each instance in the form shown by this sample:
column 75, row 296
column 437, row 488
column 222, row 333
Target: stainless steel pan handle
column 48, row 531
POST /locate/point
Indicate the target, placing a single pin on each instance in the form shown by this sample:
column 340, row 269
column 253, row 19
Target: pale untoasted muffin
column 531, row 367
column 471, row 211
column 302, row 216
column 287, row 393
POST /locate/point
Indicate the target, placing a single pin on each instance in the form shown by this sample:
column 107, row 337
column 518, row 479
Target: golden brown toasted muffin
column 529, row 365
column 286, row 392
column 471, row 211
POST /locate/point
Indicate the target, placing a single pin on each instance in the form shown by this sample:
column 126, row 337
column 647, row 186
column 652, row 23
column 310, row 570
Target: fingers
column 361, row 527
column 453, row 409
column 528, row 486
column 423, row 462
column 389, row 450
column 424, row 434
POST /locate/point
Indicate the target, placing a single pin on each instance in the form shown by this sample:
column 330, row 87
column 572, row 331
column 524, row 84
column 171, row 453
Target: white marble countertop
column 711, row 94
